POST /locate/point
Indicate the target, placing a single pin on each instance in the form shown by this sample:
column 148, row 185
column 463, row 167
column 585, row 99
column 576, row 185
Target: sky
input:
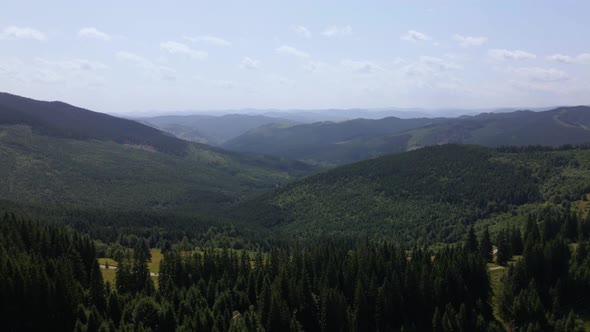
column 129, row 57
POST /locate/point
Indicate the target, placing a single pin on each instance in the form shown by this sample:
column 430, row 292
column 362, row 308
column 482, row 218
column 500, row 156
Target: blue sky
column 137, row 56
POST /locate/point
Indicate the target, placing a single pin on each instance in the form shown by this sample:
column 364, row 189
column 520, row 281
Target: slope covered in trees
column 56, row 154
column 320, row 286
column 330, row 142
column 428, row 195
column 349, row 141
column 58, row 119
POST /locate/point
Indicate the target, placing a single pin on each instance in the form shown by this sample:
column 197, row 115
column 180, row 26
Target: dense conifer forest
column 49, row 271
column 98, row 236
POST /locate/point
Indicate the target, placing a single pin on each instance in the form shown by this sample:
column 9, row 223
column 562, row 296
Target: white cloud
column 301, row 31
column 73, row 65
column 69, row 72
column 289, row 50
column 150, row 68
column 541, row 74
column 583, row 58
column 430, row 66
column 467, row 41
column 173, row 47
column 13, row 32
column 212, row 40
column 561, row 58
column 334, row 31
column 93, row 33
column 363, row 67
column 249, row 63
column 501, row 54
column 415, row 36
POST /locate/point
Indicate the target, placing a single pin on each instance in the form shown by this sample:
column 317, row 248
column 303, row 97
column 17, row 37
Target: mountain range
column 53, row 153
column 335, row 143
column 213, row 130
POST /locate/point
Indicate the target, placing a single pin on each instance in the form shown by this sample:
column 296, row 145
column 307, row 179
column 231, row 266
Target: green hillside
column 329, row 142
column 53, row 153
column 356, row 140
column 566, row 125
column 428, row 195
column 58, row 119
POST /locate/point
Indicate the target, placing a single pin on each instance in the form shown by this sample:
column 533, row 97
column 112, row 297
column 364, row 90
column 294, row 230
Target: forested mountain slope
column 427, row 195
column 565, row 125
column 350, row 141
column 331, row 142
column 56, row 154
column 58, row 119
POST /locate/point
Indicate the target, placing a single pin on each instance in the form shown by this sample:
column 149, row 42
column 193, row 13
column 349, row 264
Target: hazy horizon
column 131, row 59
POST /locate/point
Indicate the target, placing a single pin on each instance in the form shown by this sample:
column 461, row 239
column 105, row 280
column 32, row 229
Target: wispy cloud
column 77, row 65
column 289, row 50
column 173, row 47
column 335, row 31
column 149, row 68
column 467, row 41
column 583, row 58
column 301, row 31
column 249, row 63
column 415, row 36
column 14, row 32
column 502, row 54
column 93, row 33
column 212, row 40
column 541, row 74
column 363, row 67
column 430, row 66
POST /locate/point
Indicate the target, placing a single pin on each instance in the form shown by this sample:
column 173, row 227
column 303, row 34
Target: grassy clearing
column 154, row 264
column 109, row 275
column 106, row 260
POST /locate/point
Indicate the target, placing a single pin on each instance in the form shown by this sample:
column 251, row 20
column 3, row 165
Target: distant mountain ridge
column 52, row 153
column 355, row 140
column 213, row 130
column 62, row 120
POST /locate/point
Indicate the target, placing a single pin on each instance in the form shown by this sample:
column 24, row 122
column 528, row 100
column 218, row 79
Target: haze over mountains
column 57, row 153
column 355, row 140
column 123, row 182
column 209, row 129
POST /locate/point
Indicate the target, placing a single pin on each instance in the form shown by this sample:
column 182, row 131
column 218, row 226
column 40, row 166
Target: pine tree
column 503, row 242
column 485, row 246
column 471, row 244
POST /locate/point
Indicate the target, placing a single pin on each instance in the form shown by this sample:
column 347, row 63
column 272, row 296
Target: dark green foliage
column 47, row 277
column 105, row 175
column 355, row 140
column 504, row 244
column 61, row 120
column 133, row 275
column 471, row 244
column 546, row 290
column 52, row 153
column 425, row 195
column 330, row 142
column 485, row 246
